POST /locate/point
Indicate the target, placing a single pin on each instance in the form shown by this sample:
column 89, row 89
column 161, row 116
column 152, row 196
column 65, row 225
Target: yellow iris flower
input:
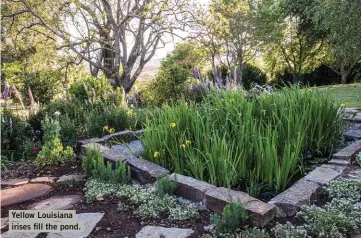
column 173, row 125
column 183, row 146
column 188, row 142
column 156, row 154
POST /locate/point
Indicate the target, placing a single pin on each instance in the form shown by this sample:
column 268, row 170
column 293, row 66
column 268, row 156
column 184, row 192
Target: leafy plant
column 95, row 166
column 52, row 152
column 233, row 216
column 4, row 163
column 253, row 142
column 289, row 231
column 13, row 133
column 255, row 233
column 165, row 186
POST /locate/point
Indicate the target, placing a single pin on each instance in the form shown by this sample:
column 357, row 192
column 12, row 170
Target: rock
column 143, row 170
column 340, row 162
column 43, row 180
column 9, row 234
column 108, row 153
column 4, row 222
column 349, row 152
column 23, row 193
column 90, row 220
column 158, row 231
column 208, row 228
column 56, row 203
column 259, row 213
column 71, row 177
column 356, row 236
column 301, row 193
column 134, row 147
column 14, row 182
column 322, row 175
column 191, row 188
column 352, row 134
column 351, row 110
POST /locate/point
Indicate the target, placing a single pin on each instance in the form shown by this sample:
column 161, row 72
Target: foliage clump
column 233, row 216
column 165, row 186
column 95, row 166
column 254, row 141
column 148, row 205
column 53, row 152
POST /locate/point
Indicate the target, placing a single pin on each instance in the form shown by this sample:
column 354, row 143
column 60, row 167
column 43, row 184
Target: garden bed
column 307, row 190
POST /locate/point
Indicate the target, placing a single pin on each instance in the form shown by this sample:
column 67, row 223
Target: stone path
column 14, row 182
column 90, row 220
column 71, row 177
column 23, row 193
column 158, row 231
column 56, row 203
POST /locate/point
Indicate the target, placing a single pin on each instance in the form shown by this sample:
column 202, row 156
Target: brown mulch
column 27, row 169
column 114, row 223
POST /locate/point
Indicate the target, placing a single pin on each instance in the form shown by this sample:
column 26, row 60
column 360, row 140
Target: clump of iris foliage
column 233, row 140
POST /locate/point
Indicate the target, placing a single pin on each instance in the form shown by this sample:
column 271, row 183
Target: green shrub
column 4, row 163
column 165, row 186
column 233, row 216
column 253, row 75
column 43, row 84
column 235, row 141
column 114, row 117
column 95, row 166
column 13, row 134
column 339, row 217
column 52, row 152
column 95, row 90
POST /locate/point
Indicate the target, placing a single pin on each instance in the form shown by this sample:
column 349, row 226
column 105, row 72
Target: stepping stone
column 56, row 203
column 9, row 234
column 322, row 174
column 4, row 222
column 158, row 231
column 134, row 147
column 14, row 182
column 43, row 180
column 23, row 193
column 352, row 134
column 71, row 177
column 90, row 220
column 349, row 152
column 340, row 162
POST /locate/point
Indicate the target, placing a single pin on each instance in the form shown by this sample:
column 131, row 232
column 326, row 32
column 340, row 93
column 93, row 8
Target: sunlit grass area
column 349, row 94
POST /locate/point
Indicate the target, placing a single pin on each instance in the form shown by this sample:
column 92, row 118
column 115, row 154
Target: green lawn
column 349, row 94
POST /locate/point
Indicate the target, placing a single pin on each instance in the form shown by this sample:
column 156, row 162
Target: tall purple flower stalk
column 215, row 75
column 195, row 73
column 17, row 94
column 6, row 91
column 234, row 84
column 31, row 98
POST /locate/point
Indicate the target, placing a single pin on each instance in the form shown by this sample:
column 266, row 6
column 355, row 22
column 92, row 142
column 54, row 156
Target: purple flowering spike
column 113, row 95
column 6, row 91
column 31, row 98
column 93, row 92
column 195, row 73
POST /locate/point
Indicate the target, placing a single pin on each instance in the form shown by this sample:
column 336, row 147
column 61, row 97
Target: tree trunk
column 294, row 77
column 344, row 74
